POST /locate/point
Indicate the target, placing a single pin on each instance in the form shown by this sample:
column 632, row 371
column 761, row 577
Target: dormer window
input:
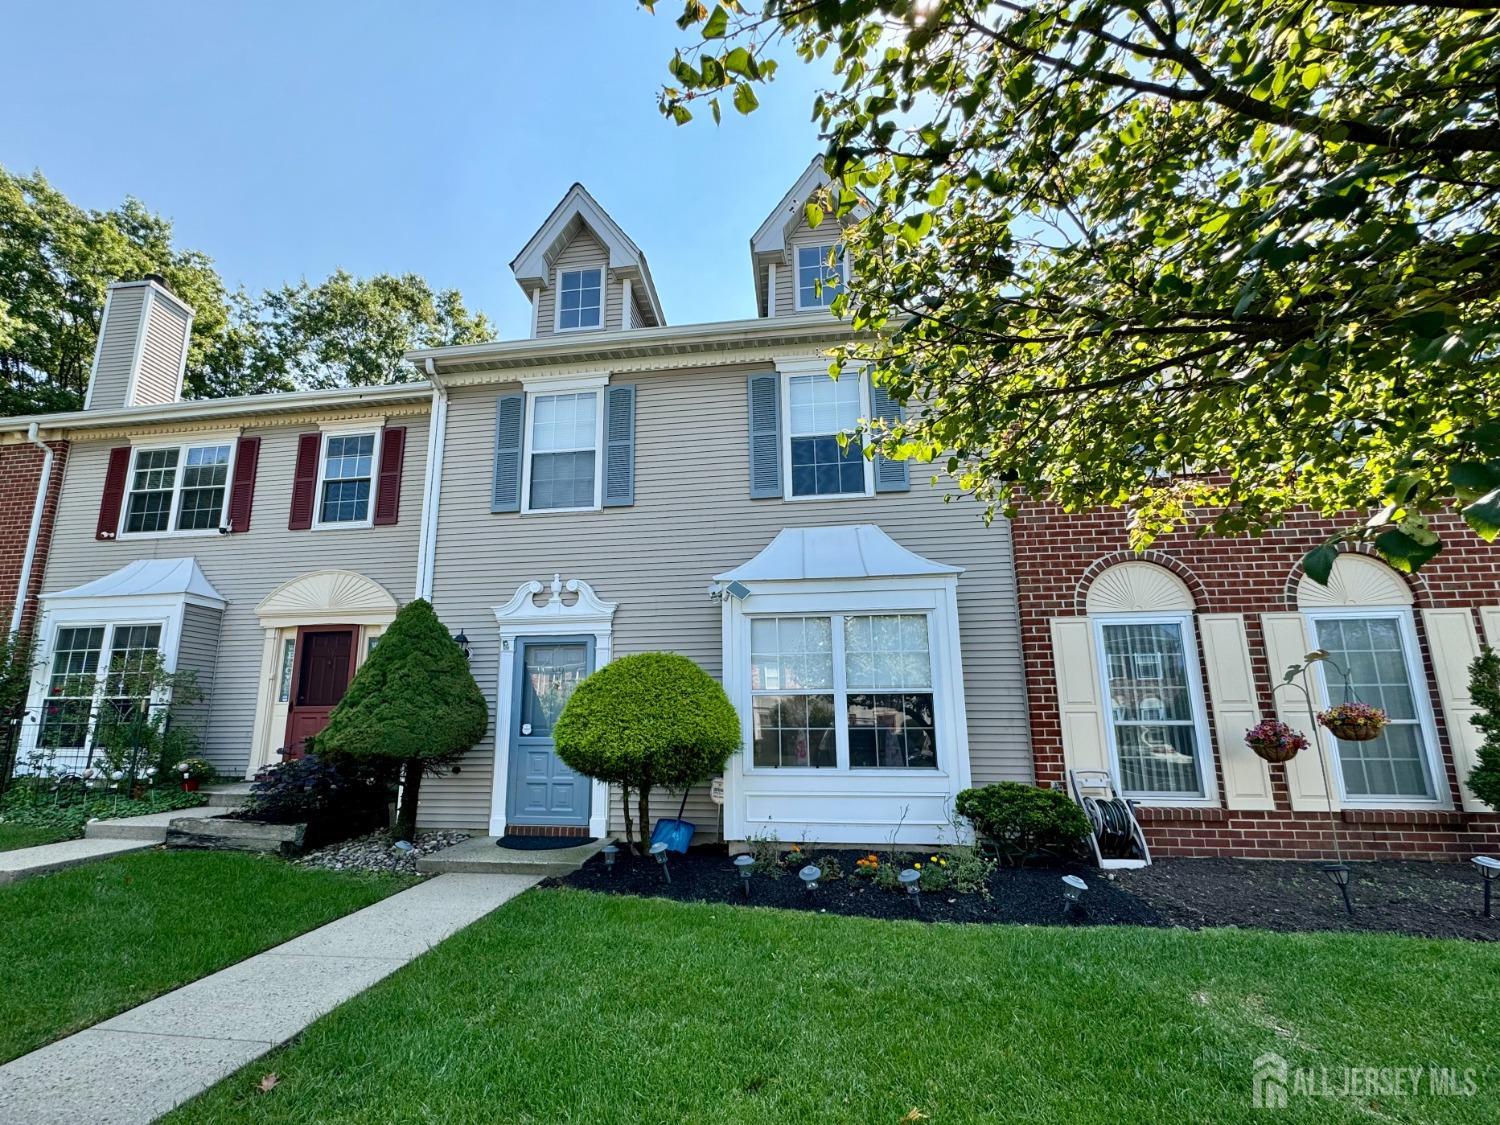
column 820, row 275
column 580, row 299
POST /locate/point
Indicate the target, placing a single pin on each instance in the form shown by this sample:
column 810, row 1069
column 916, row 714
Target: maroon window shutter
column 242, row 492
column 388, row 488
column 305, row 481
column 114, row 492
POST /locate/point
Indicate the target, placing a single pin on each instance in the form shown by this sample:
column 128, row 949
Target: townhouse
column 613, row 484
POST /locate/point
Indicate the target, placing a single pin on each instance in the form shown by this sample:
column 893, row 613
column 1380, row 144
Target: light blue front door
column 541, row 790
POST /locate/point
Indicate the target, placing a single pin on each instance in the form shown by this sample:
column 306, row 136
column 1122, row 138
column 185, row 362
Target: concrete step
column 231, row 795
column 480, row 855
column 152, row 828
column 21, row 863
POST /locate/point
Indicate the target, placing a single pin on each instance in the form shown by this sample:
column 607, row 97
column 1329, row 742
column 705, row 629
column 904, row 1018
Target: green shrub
column 1484, row 690
column 413, row 701
column 654, row 718
column 1022, row 820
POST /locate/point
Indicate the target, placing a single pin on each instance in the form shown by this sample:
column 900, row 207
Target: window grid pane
column 821, row 408
column 1394, row 764
column 1151, row 708
column 820, row 275
column 205, row 476
column 151, row 486
column 348, row 462
column 578, row 299
column 70, row 688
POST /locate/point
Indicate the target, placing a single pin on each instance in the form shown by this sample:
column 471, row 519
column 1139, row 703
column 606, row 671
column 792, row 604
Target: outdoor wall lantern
column 911, row 879
column 744, row 863
column 1490, row 869
column 462, row 642
column 660, row 852
column 810, row 876
column 611, row 853
column 1338, row 873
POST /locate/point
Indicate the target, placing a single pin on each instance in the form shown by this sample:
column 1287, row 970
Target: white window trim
column 592, row 384
column 603, row 299
column 1416, row 674
column 172, row 531
column 318, row 523
column 815, row 368
column 841, row 687
column 796, row 268
column 855, row 806
column 167, row 612
column 1207, row 774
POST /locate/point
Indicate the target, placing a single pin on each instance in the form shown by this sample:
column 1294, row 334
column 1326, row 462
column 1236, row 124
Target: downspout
column 23, row 584
column 432, row 483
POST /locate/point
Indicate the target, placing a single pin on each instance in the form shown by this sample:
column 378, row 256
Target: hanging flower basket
column 1353, row 722
column 1274, row 741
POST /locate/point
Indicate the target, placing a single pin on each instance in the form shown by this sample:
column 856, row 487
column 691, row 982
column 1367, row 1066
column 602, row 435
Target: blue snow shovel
column 675, row 834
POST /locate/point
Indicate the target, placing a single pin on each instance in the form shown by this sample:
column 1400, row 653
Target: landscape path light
column 810, row 876
column 611, row 854
column 660, row 852
column 1338, row 874
column 1490, row 869
column 911, row 879
column 745, row 863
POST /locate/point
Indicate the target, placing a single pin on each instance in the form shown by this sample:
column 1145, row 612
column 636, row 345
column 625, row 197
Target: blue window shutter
column 510, row 421
column 890, row 476
column 765, row 436
column 619, row 446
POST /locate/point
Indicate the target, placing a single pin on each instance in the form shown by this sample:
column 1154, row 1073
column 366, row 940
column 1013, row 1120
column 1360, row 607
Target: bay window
column 1155, row 719
column 842, row 691
column 81, row 683
column 177, row 489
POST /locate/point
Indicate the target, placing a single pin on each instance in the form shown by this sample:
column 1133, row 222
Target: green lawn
column 84, row 944
column 14, row 836
column 565, row 1006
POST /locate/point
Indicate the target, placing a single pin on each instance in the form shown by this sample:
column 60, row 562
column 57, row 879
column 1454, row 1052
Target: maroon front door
column 324, row 664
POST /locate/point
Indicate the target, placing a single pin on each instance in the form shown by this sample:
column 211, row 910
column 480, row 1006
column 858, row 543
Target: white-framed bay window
column 849, row 690
column 1377, row 647
column 1155, row 719
column 560, row 470
column 94, row 669
column 178, row 489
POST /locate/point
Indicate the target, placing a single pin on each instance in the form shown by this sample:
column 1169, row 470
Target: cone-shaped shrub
column 654, row 718
column 413, row 701
column 1484, row 690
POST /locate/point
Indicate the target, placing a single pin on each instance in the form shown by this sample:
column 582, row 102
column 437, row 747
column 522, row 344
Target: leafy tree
column 1484, row 690
column 654, row 718
column 1239, row 254
column 17, row 659
column 57, row 259
column 413, row 702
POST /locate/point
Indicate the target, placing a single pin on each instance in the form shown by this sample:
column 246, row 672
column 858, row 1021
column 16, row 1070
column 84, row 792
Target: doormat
column 542, row 843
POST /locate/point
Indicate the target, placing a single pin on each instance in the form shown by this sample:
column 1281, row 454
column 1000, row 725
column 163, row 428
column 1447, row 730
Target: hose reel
column 1115, row 835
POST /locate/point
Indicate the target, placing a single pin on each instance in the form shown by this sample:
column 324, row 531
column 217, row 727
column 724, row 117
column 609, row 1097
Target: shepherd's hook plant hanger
column 1298, row 676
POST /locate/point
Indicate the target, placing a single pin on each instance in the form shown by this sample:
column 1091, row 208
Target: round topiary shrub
column 1022, row 820
column 654, row 718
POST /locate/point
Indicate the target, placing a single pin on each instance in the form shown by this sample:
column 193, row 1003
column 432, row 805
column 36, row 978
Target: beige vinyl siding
column 243, row 568
column 197, row 652
column 111, row 377
column 583, row 252
column 162, row 356
column 693, row 519
column 637, row 319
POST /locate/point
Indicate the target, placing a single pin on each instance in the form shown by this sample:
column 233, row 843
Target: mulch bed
column 1442, row 900
column 1027, row 895
column 1419, row 899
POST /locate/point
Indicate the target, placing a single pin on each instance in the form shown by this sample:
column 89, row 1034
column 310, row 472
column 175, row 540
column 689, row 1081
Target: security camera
column 225, row 529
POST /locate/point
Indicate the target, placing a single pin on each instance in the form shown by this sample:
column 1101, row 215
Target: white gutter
column 23, row 583
column 432, row 481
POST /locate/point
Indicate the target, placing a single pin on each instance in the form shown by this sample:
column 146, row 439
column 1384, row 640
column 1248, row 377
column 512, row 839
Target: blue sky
column 286, row 140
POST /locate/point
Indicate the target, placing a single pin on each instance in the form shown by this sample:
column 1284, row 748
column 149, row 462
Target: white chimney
column 143, row 346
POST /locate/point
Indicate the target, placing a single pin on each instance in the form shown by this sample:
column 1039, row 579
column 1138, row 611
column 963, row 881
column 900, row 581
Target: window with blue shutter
column 510, row 419
column 890, row 476
column 765, row 436
column 619, row 446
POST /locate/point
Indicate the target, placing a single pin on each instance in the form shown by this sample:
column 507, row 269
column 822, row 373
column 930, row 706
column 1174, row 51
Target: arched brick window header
column 1128, row 583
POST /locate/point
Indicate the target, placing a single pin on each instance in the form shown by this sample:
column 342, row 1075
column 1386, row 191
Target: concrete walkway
column 21, row 863
column 133, row 1068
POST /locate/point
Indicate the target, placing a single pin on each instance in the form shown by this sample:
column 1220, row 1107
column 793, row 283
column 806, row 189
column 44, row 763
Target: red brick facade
column 20, row 469
column 1057, row 557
